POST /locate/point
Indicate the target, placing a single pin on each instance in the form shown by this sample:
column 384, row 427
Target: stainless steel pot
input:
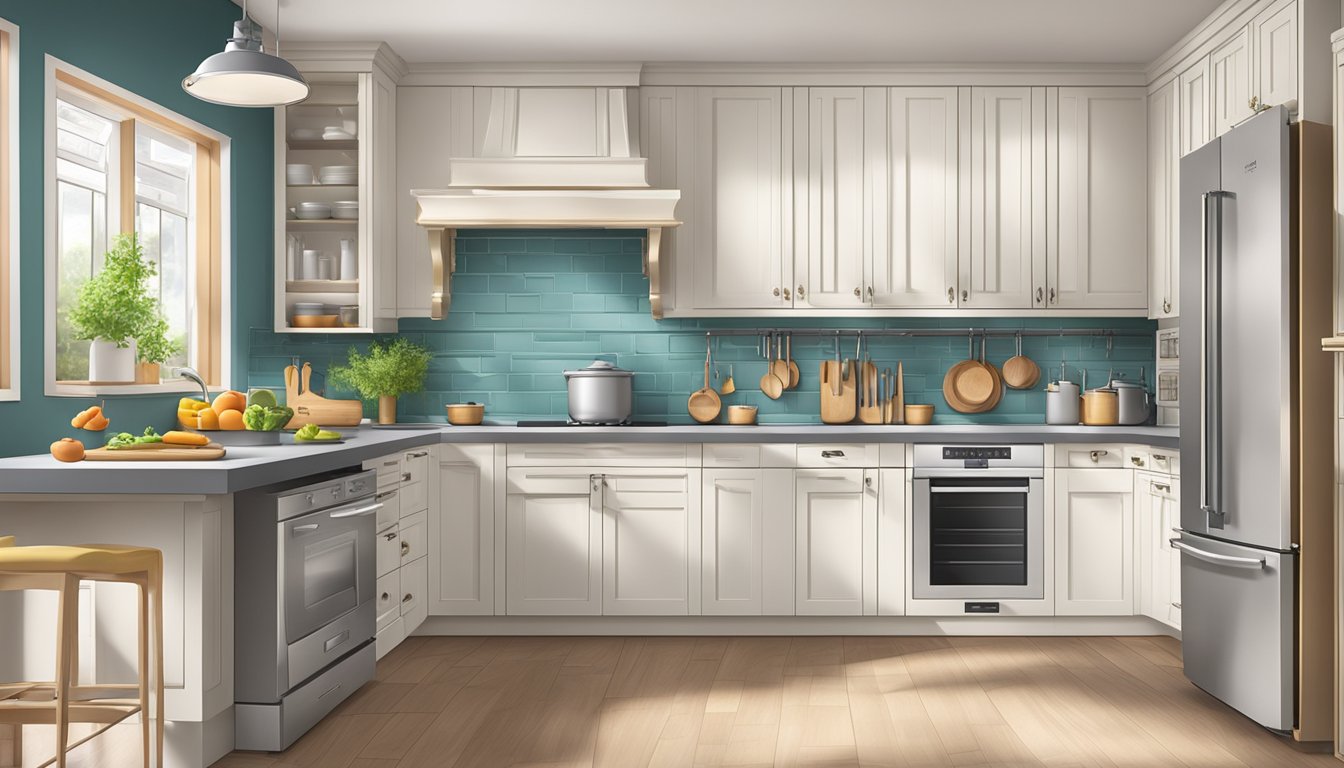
column 599, row 394
column 1134, row 401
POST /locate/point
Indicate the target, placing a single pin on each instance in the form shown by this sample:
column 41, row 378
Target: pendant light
column 244, row 75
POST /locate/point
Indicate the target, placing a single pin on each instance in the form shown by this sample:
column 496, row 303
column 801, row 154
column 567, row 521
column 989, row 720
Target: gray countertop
column 250, row 467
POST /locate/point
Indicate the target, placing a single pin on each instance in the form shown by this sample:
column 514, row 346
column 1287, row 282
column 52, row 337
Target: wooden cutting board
column 837, row 409
column 315, row 409
column 157, row 452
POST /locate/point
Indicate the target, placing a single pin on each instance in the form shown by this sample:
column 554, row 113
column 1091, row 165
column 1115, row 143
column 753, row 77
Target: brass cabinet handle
column 951, row 295
column 965, row 295
column 832, row 454
column 858, row 293
column 1040, row 295
column 800, row 292
column 390, row 536
column 1096, row 455
column 776, row 291
column 408, row 598
column 1052, row 295
column 1137, row 460
column 384, row 596
column 417, row 455
column 870, row 293
column 405, row 548
column 1159, row 457
column 787, row 295
column 405, row 477
column 1166, row 306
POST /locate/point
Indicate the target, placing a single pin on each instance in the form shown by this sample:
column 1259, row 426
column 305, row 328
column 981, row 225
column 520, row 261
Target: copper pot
column 1100, row 407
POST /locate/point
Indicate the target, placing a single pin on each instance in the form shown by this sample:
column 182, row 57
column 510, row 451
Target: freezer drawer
column 1238, row 615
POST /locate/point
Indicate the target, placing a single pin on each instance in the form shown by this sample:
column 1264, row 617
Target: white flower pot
column 110, row 365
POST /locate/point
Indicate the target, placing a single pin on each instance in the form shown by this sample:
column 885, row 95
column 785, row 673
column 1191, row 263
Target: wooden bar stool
column 61, row 568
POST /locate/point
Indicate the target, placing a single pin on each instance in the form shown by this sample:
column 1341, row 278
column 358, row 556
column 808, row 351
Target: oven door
column 327, row 565
column 978, row 538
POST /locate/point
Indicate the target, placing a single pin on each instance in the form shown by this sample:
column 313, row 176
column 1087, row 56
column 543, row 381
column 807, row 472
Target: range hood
column 548, row 158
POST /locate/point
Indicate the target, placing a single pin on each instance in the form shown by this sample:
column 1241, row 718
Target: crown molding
column 1213, row 31
column 888, row 74
column 357, row 56
column 521, row 74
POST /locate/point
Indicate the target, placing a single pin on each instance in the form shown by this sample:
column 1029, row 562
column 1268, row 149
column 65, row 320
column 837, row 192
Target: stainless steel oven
column 304, row 580
column 979, row 512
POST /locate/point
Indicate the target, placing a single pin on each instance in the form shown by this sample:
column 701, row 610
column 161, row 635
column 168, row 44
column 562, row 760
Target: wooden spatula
column 870, row 405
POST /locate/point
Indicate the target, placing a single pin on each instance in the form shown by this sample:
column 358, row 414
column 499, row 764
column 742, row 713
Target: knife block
column 315, row 409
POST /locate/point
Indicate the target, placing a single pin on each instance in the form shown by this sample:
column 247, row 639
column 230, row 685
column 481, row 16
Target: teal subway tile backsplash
column 528, row 305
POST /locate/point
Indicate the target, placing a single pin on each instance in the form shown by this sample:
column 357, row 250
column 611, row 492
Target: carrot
column 177, row 437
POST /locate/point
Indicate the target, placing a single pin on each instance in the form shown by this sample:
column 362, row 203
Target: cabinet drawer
column 558, row 480
column 387, row 604
column 1091, row 456
column 891, row 455
column 414, row 582
column 731, row 455
column 856, row 455
column 388, row 469
column 1138, row 457
column 1165, row 460
column 390, row 512
column 389, row 637
column 604, row 455
column 415, row 465
column 414, row 498
column 414, row 537
column 387, row 550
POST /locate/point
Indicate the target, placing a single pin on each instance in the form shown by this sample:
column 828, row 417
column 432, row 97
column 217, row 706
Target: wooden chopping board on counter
column 158, row 452
column 315, row 409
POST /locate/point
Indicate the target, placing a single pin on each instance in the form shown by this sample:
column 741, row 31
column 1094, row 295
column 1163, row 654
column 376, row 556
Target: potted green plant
column 113, row 308
column 386, row 372
column 152, row 350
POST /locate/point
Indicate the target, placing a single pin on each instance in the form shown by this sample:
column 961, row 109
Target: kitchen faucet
column 190, row 373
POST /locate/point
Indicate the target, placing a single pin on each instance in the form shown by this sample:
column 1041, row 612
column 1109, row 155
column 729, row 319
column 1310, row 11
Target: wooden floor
column 870, row 701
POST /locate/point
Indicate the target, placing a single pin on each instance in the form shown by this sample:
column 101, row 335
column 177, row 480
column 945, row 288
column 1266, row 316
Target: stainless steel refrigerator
column 1256, row 495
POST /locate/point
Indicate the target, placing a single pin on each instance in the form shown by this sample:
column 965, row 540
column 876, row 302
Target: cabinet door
column 553, row 544
column 1097, row 157
column 1275, row 34
column 1157, row 507
column 1171, row 572
column 462, row 533
column 1230, row 82
column 1094, row 542
column 1164, row 224
column 836, row 542
column 743, row 199
column 1195, row 111
column 378, row 197
column 891, row 544
column 910, row 159
column 666, row 137
column 648, row 532
column 414, row 582
column 732, row 536
column 830, row 201
column 1002, row 198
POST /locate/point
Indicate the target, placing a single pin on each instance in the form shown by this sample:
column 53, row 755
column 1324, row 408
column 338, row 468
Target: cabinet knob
column 405, row 477
column 858, row 293
column 405, row 548
column 1096, row 456
column 1137, row 460
column 870, row 293
column 390, row 536
column 1052, row 295
column 384, row 596
column 1040, row 295
column 951, row 295
column 787, row 295
column 1166, row 306
column 408, row 598
column 868, row 481
column 776, row 291
column 965, row 295
column 801, row 292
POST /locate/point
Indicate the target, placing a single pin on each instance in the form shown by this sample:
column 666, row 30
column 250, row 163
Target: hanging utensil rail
column 927, row 332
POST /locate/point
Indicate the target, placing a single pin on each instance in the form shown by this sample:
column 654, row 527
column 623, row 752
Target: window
column 9, row 214
column 121, row 164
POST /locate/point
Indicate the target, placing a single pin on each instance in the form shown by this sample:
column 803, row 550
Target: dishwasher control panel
column 982, row 453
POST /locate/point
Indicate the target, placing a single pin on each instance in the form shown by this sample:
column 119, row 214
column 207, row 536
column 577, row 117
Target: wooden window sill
column 85, row 389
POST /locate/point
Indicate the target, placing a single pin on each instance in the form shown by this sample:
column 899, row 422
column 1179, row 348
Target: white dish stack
column 312, row 210
column 299, row 174
column 345, row 209
column 339, row 174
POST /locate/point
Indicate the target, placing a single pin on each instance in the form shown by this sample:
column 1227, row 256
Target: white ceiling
column 842, row 31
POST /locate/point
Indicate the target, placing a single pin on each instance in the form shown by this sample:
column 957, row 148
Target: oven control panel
column 982, row 453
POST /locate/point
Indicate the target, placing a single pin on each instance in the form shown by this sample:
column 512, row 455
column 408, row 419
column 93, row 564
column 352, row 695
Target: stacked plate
column 305, row 134
column 339, row 174
column 337, row 133
column 313, row 211
column 298, row 173
column 345, row 209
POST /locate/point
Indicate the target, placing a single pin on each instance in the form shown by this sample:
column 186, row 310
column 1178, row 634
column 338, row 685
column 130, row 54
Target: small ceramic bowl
column 741, row 414
column 465, row 414
column 918, row 414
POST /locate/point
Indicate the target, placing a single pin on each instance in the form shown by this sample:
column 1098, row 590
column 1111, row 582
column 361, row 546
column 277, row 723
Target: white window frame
column 11, row 181
column 52, row 387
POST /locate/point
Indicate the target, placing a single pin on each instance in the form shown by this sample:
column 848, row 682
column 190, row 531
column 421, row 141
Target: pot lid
column 599, row 368
column 1125, row 384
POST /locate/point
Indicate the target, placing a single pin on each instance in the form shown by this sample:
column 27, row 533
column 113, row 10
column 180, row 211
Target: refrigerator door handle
column 1210, row 434
column 1217, row 559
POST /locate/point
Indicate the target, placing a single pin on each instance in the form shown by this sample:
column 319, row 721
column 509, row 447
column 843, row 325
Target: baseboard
column 1037, row 626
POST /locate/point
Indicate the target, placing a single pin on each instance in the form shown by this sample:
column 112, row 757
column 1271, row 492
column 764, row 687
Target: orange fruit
column 208, row 419
column 67, row 449
column 97, row 423
column 231, row 419
column 229, row 401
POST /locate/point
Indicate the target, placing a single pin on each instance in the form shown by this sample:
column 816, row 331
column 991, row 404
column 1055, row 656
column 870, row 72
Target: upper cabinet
column 1230, row 73
column 1096, row 242
column 1003, row 207
column 1164, row 164
column 1275, row 32
column 1196, row 121
column 831, row 199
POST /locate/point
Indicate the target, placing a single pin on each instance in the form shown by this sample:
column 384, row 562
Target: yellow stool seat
column 86, row 558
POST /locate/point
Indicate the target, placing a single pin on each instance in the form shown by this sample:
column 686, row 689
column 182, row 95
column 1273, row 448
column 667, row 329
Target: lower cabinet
column 746, row 550
column 462, row 533
column 1158, row 508
column 836, row 542
column 401, row 549
column 553, row 543
column 891, row 543
column 1094, row 542
column 648, row 534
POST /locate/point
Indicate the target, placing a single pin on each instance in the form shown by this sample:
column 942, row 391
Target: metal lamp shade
column 246, row 78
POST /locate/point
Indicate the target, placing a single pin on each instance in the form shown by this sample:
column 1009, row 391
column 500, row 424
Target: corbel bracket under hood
column 443, row 212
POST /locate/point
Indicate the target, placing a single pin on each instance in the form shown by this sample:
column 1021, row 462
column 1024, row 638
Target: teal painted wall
column 147, row 47
column 529, row 304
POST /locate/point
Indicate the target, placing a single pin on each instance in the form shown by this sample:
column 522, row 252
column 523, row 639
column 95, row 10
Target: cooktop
column 562, row 423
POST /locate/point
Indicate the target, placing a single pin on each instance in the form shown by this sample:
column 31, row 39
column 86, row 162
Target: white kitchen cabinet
column 1196, row 117
column 836, row 541
column 746, row 554
column 1157, row 506
column 1164, row 220
column 1274, row 31
column 742, row 256
column 891, row 543
column 462, row 532
column 1230, row 73
column 1002, row 211
column 553, row 543
column 414, row 583
column 354, row 89
column 1097, row 160
column 1094, row 542
column 831, row 198
column 434, row 125
column 650, row 542
column 910, row 160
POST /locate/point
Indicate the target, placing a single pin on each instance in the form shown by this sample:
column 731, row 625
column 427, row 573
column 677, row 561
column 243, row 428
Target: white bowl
column 305, row 134
column 336, row 133
column 313, row 211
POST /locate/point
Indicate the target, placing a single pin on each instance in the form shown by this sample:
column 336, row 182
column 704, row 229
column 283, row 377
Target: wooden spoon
column 728, row 387
column 771, row 386
column 780, row 368
column 793, row 367
column 704, row 404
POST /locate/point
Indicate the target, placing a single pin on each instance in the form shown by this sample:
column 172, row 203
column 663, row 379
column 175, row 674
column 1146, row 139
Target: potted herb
column 113, row 308
column 152, row 350
column 386, row 372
